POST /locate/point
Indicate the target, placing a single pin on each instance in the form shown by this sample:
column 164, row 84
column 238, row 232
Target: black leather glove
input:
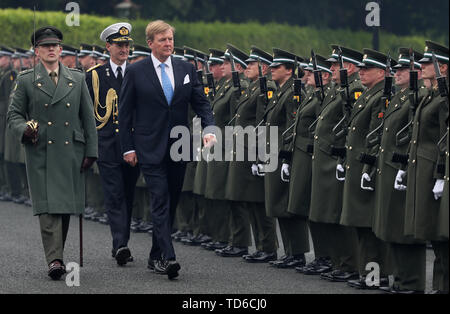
column 87, row 163
column 30, row 135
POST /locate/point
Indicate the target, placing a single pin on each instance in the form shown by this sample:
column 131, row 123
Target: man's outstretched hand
column 131, row 159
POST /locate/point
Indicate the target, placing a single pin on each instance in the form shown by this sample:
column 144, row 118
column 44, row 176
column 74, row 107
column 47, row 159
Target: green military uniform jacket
column 242, row 185
column 199, row 183
column 67, row 134
column 443, row 210
column 328, row 209
column 281, row 113
column 422, row 210
column 7, row 79
column 389, row 212
column 358, row 204
column 223, row 110
column 302, row 147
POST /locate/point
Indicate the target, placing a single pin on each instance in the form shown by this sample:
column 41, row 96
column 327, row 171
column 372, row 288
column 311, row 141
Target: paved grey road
column 23, row 268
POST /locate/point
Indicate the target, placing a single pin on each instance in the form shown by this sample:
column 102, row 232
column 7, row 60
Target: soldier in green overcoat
column 358, row 203
column 243, row 188
column 422, row 197
column 217, row 173
column 280, row 113
column 52, row 113
column 329, row 237
column 408, row 255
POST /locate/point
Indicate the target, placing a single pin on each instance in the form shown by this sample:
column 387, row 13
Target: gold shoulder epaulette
column 94, row 67
column 25, row 71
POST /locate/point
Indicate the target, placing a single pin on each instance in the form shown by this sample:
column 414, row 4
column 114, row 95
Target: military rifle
column 199, row 72
column 210, row 79
column 235, row 74
column 442, row 84
column 405, row 134
column 262, row 82
column 317, row 74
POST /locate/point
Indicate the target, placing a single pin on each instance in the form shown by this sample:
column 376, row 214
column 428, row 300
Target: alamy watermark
column 373, row 18
column 236, row 144
column 73, row 17
column 73, row 274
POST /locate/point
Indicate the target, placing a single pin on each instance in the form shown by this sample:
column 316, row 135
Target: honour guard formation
column 362, row 160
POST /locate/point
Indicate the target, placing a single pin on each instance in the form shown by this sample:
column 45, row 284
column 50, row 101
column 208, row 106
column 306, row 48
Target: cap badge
column 123, row 31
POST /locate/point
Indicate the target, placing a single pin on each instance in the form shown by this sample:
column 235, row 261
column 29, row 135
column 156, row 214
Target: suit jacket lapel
column 178, row 77
column 65, row 84
column 43, row 81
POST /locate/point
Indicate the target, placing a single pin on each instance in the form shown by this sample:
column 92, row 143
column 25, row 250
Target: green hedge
column 17, row 26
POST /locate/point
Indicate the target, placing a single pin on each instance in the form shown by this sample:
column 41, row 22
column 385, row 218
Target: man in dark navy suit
column 117, row 177
column 156, row 93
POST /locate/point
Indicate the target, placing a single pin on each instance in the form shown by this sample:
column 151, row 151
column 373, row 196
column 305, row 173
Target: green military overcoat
column 422, row 209
column 358, row 204
column 280, row 113
column 223, row 107
column 67, row 134
column 328, row 209
column 389, row 212
column 302, row 150
column 242, row 185
column 7, row 79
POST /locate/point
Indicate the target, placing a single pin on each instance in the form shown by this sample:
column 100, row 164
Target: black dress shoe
column 262, row 257
column 339, row 276
column 233, row 251
column 122, row 256
column 279, row 261
column 6, row 198
column 212, row 246
column 56, row 269
column 151, row 264
column 104, row 220
column 362, row 285
column 187, row 235
column 318, row 266
column 18, row 199
column 294, row 261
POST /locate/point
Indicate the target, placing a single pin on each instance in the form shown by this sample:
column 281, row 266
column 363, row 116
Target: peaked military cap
column 191, row 53
column 348, row 55
column 4, row 51
column 238, row 55
column 98, row 51
column 19, row 53
column 68, row 51
column 106, row 55
column 322, row 64
column 404, row 59
column 216, row 56
column 375, row 59
column 139, row 50
column 46, row 35
column 117, row 33
column 257, row 54
column 441, row 52
column 282, row 57
column 86, row 50
column 178, row 53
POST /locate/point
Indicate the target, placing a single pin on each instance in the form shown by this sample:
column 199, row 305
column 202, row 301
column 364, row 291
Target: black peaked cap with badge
column 98, row 51
column 348, row 55
column 238, row 55
column 86, row 50
column 5, row 51
column 257, row 54
column 46, row 35
column 20, row 53
column 191, row 53
column 322, row 64
column 117, row 33
column 404, row 59
column 283, row 57
column 139, row 50
column 440, row 51
column 68, row 51
column 216, row 56
column 375, row 59
column 178, row 53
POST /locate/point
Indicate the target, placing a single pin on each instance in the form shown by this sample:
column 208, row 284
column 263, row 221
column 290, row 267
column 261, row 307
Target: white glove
column 438, row 189
column 398, row 181
column 285, row 173
column 340, row 169
column 254, row 170
column 261, row 172
column 366, row 177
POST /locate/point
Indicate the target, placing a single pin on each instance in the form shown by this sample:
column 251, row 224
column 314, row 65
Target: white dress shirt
column 115, row 66
column 168, row 70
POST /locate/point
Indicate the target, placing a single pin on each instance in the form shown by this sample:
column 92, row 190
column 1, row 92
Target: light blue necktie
column 166, row 85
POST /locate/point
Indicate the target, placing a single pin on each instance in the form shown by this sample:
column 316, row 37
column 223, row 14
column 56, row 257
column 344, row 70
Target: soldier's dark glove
column 30, row 135
column 87, row 163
